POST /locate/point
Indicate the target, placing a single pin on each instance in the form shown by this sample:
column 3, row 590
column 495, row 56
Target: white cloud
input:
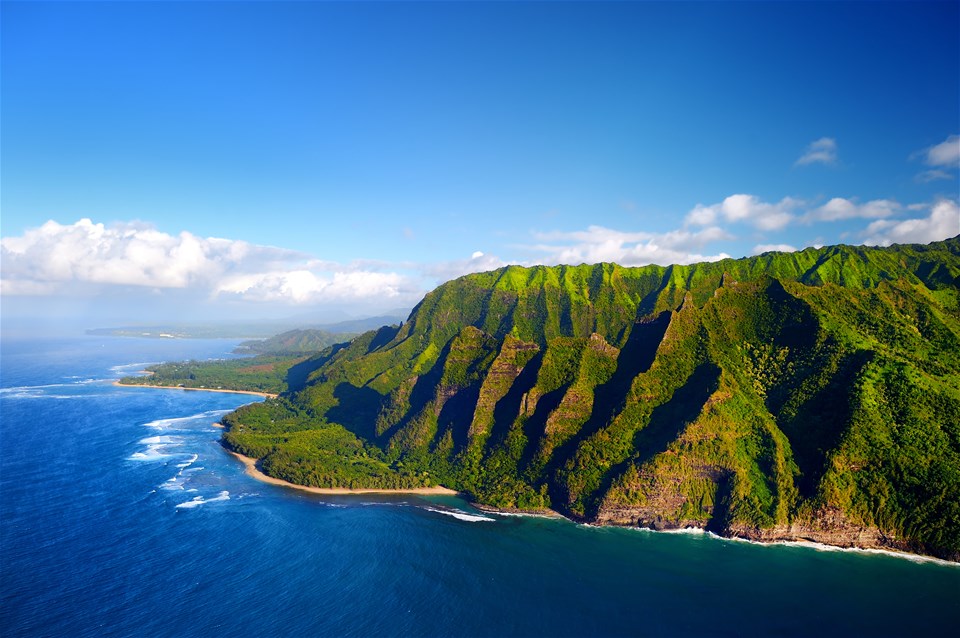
column 821, row 151
column 446, row 270
column 126, row 254
column 58, row 258
column 599, row 244
column 778, row 248
column 745, row 208
column 304, row 286
column 932, row 175
column 840, row 208
column 86, row 259
column 942, row 223
column 946, row 153
column 702, row 215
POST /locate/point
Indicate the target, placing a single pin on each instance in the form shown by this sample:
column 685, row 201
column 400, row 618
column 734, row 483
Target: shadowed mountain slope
column 810, row 395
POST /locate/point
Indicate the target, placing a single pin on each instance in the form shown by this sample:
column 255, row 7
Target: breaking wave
column 166, row 423
column 197, row 501
column 461, row 515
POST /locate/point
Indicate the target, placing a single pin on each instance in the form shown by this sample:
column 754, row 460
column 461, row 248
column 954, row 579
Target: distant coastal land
column 806, row 397
column 336, row 331
column 154, row 386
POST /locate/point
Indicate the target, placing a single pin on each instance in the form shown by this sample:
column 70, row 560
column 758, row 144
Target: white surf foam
column 161, row 424
column 689, row 531
column 45, row 396
column 160, row 440
column 199, row 500
column 458, row 514
column 186, row 464
column 173, row 484
column 527, row 515
column 127, row 366
column 30, row 388
column 152, row 453
column 40, row 392
column 819, row 547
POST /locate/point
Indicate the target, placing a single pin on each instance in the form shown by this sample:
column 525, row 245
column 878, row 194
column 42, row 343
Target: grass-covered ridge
column 813, row 394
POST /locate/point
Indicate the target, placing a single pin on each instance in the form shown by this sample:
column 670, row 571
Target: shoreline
column 268, row 395
column 252, row 470
column 250, row 465
column 541, row 513
column 788, row 542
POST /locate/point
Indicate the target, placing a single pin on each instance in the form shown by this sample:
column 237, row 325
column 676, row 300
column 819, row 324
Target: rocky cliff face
column 814, row 395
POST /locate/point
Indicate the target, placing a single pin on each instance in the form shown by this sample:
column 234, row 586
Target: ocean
column 121, row 515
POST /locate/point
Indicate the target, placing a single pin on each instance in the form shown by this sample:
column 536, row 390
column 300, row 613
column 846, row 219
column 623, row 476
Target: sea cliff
column 811, row 395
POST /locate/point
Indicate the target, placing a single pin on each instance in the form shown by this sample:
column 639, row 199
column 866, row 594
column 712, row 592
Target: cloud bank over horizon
column 86, row 259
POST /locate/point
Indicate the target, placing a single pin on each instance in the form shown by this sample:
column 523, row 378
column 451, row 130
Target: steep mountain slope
column 291, row 342
column 806, row 395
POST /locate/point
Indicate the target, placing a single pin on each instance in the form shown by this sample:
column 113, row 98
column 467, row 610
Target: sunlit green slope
column 810, row 395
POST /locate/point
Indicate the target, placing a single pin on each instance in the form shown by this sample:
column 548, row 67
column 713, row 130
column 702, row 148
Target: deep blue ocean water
column 120, row 515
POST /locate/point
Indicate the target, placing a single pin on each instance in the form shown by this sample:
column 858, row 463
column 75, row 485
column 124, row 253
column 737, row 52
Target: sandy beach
column 251, row 465
column 269, row 395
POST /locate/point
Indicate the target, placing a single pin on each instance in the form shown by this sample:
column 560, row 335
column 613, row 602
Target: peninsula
column 807, row 396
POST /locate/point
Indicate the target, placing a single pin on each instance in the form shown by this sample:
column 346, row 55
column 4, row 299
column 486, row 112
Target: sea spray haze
column 123, row 516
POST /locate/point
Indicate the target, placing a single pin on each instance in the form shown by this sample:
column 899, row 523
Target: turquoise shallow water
column 122, row 516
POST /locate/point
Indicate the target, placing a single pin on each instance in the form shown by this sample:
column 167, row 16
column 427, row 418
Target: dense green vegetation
column 814, row 394
column 299, row 449
column 305, row 341
column 267, row 373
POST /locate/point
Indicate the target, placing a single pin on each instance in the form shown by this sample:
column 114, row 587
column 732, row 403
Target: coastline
column 793, row 542
column 252, row 470
column 540, row 513
column 809, row 541
column 819, row 544
column 268, row 395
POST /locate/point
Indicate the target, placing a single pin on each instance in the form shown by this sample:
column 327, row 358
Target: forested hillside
column 291, row 342
column 809, row 395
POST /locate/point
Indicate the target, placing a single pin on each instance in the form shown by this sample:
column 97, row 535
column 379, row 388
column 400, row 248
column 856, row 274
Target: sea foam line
column 819, row 547
column 187, row 464
column 127, row 366
column 463, row 516
column 27, row 395
column 27, row 388
column 41, row 391
column 152, row 453
column 199, row 500
column 822, row 547
column 161, row 439
column 164, row 423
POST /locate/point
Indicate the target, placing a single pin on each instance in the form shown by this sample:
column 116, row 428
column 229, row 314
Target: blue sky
column 205, row 159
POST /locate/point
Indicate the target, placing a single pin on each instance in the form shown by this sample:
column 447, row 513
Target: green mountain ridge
column 291, row 342
column 811, row 395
